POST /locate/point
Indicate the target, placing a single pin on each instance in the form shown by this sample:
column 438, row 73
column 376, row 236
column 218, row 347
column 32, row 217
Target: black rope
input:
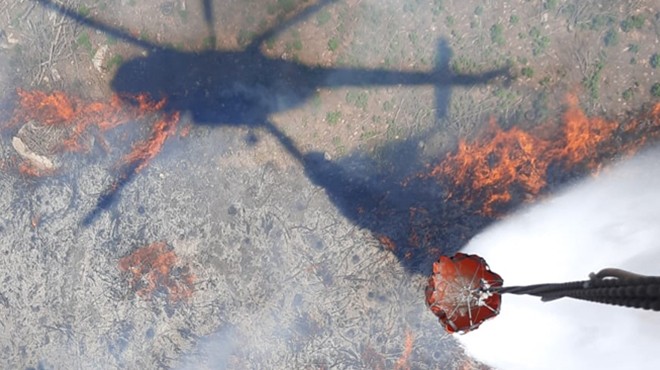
column 609, row 286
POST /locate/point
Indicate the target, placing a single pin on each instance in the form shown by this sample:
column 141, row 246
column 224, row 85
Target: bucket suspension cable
column 609, row 286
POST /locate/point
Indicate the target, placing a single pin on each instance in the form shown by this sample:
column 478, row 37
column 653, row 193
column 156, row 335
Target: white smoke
column 607, row 221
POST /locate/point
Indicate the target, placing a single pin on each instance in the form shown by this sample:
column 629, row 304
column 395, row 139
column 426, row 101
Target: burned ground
column 276, row 267
column 230, row 249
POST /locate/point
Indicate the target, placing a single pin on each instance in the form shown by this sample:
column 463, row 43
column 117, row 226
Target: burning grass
column 489, row 172
column 27, row 168
column 59, row 109
column 460, row 193
column 155, row 269
column 402, row 362
column 145, row 150
column 77, row 117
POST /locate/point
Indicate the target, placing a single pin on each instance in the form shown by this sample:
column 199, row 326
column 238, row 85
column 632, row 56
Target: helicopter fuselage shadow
column 411, row 215
column 245, row 88
column 221, row 88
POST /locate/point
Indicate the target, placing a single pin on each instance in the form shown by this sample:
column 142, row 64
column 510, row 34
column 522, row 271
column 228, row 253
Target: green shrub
column 115, row 61
column 655, row 90
column 463, row 65
column 438, row 6
column 143, row 36
column 497, row 34
column 569, row 10
column 540, row 44
column 83, row 11
column 592, row 83
column 270, row 43
column 655, row 60
column 358, row 99
column 550, row 5
column 183, row 14
column 209, row 41
column 84, row 42
column 540, row 105
column 287, row 5
column 333, row 117
column 413, row 38
column 545, row 81
column 632, row 22
column 323, row 17
column 527, row 72
column 611, row 37
column 627, row 94
column 600, row 21
column 333, row 44
column 534, row 32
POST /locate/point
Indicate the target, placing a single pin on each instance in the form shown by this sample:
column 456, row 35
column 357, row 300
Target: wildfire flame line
column 485, row 171
column 160, row 131
column 60, row 110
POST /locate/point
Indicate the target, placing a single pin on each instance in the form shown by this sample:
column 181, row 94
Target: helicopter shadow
column 244, row 88
column 412, row 216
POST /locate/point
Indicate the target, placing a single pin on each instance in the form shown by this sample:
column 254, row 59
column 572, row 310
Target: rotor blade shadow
column 283, row 26
column 115, row 32
column 109, row 196
column 210, row 22
column 443, row 93
column 246, row 87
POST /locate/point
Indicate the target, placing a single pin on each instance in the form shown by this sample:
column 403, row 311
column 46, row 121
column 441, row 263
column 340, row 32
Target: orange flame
column 59, row 109
column 28, row 169
column 402, row 362
column 51, row 109
column 145, row 150
column 486, row 171
column 387, row 243
column 152, row 268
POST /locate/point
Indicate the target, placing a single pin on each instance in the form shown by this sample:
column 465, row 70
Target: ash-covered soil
column 269, row 261
column 281, row 278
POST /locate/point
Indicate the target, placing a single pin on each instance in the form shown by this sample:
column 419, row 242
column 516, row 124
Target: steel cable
column 610, row 286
